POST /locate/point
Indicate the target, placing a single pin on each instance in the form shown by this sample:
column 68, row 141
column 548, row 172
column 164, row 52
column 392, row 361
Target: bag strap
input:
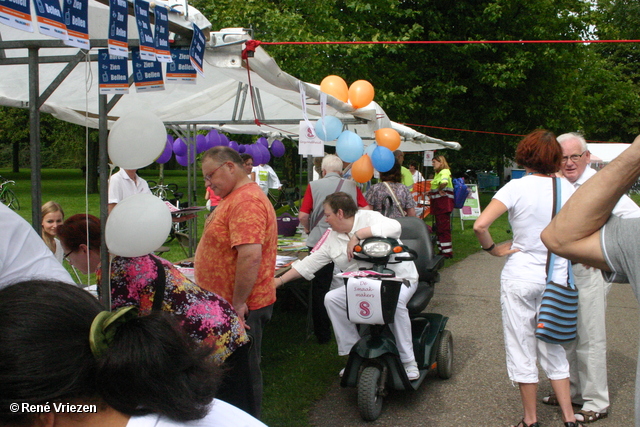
column 160, row 285
column 322, row 215
column 395, row 199
column 551, row 257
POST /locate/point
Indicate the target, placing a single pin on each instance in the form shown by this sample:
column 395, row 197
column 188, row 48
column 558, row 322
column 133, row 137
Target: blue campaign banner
column 147, row 44
column 16, row 14
column 147, row 75
column 50, row 20
column 113, row 75
column 196, row 51
column 181, row 71
column 161, row 35
column 76, row 19
column 117, row 42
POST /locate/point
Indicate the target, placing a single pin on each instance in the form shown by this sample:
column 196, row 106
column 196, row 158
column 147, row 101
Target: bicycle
column 170, row 193
column 288, row 197
column 7, row 196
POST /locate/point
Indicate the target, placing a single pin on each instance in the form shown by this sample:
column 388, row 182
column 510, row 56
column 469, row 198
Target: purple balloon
column 166, row 154
column 266, row 156
column 277, row 148
column 182, row 160
column 201, row 143
column 242, row 148
column 263, row 141
column 170, row 140
column 224, row 140
column 234, row 145
column 255, row 153
column 214, row 138
column 179, row 147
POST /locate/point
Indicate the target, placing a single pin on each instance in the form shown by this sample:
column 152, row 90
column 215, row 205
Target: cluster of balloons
column 378, row 155
column 259, row 151
column 359, row 94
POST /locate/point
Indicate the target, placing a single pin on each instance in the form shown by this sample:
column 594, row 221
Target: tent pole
column 103, row 166
column 34, row 140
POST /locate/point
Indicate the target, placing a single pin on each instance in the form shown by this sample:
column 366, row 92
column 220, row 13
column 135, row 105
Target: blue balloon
column 382, row 159
column 277, row 148
column 369, row 150
column 332, row 125
column 179, row 147
column 349, row 146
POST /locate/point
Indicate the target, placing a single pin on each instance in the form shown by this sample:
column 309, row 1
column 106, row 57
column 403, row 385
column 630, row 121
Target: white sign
column 471, row 208
column 364, row 301
column 308, row 143
column 428, row 158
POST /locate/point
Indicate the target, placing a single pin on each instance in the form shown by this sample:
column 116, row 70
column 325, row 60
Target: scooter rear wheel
column 369, row 393
column 444, row 357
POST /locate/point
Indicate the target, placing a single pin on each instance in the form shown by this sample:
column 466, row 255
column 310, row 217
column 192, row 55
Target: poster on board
column 428, row 158
column 471, row 209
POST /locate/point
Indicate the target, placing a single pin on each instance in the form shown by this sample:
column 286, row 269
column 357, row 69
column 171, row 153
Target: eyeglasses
column 574, row 158
column 66, row 256
column 209, row 176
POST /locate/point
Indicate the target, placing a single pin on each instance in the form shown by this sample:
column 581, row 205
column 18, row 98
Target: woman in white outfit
column 348, row 227
column 529, row 202
column 72, row 364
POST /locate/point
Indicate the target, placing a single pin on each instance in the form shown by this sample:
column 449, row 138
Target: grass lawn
column 297, row 371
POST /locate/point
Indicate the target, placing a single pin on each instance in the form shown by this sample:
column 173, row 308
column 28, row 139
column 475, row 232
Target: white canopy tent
column 605, row 152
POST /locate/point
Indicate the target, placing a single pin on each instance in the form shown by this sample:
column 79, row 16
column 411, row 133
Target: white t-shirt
column 121, row 187
column 221, row 414
column 529, row 201
column 266, row 177
column 23, row 253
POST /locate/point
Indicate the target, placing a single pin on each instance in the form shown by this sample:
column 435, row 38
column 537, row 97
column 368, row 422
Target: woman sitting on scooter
column 348, row 227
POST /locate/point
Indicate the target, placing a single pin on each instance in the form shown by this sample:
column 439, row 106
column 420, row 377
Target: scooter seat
column 420, row 298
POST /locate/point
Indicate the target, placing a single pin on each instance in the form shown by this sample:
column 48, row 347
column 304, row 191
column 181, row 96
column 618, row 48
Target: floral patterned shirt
column 206, row 317
column 377, row 195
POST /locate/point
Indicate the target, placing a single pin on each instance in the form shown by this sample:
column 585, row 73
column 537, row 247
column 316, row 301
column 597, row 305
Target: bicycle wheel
column 160, row 192
column 10, row 199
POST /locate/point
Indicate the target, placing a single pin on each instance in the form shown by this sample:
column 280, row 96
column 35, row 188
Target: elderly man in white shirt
column 348, row 227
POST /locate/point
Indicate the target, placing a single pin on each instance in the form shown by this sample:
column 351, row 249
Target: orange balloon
column 361, row 93
column 362, row 169
column 336, row 87
column 387, row 137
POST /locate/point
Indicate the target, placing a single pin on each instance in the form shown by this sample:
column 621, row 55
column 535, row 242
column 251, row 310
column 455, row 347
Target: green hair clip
column 105, row 325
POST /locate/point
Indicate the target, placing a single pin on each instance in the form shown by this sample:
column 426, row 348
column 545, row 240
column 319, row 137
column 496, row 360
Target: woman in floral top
column 206, row 317
column 380, row 199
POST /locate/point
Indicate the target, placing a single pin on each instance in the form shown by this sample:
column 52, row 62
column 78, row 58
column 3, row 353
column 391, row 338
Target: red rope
column 456, row 42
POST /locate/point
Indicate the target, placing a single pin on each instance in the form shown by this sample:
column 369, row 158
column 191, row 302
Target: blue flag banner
column 50, row 20
column 16, row 14
column 147, row 44
column 114, row 73
column 77, row 22
column 161, row 35
column 117, row 40
column 181, row 71
column 196, row 51
column 147, row 75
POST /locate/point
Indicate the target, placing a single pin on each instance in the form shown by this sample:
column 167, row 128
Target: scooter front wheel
column 370, row 396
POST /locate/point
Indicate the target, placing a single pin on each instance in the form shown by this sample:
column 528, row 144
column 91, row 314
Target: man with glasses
column 23, row 253
column 587, row 354
column 236, row 259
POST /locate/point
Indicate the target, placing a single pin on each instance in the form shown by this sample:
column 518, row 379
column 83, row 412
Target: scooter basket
column 371, row 301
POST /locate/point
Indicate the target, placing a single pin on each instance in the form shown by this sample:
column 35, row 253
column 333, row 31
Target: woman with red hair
column 529, row 202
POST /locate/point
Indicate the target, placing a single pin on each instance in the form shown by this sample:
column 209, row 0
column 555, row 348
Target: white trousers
column 520, row 302
column 347, row 334
column 588, row 353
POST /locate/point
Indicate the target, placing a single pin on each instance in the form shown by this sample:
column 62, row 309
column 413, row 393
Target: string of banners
column 70, row 23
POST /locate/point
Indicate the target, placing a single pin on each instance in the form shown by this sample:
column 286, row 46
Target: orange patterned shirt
column 245, row 216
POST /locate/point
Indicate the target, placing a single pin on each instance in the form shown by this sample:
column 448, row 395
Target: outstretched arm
column 575, row 232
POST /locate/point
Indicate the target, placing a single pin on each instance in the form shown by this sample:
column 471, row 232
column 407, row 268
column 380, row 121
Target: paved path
column 480, row 393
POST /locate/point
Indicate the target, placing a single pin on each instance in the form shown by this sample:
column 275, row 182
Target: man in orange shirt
column 236, row 259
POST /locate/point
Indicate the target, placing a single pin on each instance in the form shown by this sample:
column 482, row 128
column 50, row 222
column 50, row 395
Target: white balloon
column 137, row 226
column 136, row 140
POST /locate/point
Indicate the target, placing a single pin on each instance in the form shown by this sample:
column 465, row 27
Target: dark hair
column 245, row 157
column 540, row 152
column 45, row 356
column 342, row 200
column 73, row 232
column 392, row 175
column 223, row 154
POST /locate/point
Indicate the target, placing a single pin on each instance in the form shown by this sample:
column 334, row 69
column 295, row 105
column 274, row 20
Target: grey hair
column 571, row 135
column 332, row 163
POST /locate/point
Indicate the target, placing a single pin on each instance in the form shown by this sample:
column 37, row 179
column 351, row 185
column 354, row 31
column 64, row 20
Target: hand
column 503, row 249
column 352, row 244
column 183, row 218
column 441, row 192
column 243, row 312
